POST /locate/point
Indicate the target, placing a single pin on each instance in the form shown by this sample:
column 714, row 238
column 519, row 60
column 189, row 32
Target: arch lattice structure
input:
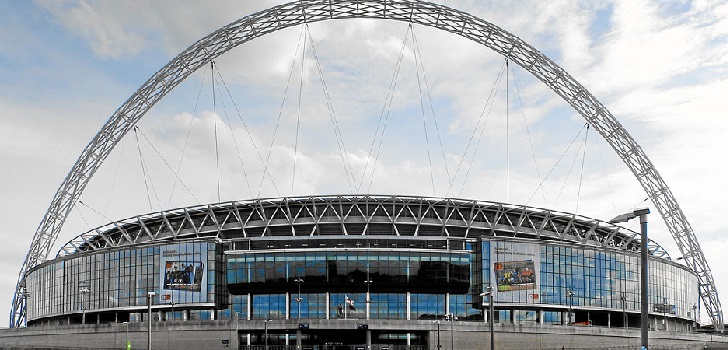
column 417, row 12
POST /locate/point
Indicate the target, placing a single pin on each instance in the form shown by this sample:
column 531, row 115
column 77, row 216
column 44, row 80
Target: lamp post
column 452, row 330
column 695, row 318
column 368, row 300
column 570, row 295
column 491, row 318
column 149, row 319
column 299, row 281
column 624, row 309
column 128, row 344
column 83, row 289
column 644, row 287
column 266, row 333
column 438, row 334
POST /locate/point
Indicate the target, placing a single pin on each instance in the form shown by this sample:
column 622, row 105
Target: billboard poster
column 515, row 268
column 183, row 273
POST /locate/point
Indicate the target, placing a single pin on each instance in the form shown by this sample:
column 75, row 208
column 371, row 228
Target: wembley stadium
column 302, row 267
column 360, row 271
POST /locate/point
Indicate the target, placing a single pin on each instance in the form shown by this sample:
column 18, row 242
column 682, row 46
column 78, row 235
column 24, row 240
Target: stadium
column 307, row 264
column 360, row 271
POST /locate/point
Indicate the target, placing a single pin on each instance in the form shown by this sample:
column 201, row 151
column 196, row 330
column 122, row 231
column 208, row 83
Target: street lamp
column 128, row 344
column 266, row 333
column 299, row 280
column 368, row 300
column 438, row 334
column 452, row 330
column 570, row 295
column 83, row 289
column 489, row 294
column 149, row 317
column 695, row 318
column 624, row 309
column 642, row 214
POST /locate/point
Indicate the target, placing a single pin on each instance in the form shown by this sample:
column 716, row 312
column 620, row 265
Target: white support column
column 288, row 307
column 408, row 308
column 249, row 308
column 328, row 305
column 447, row 303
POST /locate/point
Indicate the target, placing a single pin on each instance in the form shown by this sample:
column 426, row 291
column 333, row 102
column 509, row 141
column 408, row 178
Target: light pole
column 128, row 344
column 695, row 319
column 266, row 333
column 644, row 287
column 624, row 309
column 452, row 331
column 368, row 300
column 438, row 334
column 491, row 318
column 149, row 317
column 570, row 295
column 299, row 281
column 83, row 289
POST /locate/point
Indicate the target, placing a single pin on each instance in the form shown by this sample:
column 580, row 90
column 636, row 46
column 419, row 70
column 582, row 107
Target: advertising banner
column 183, row 273
column 515, row 270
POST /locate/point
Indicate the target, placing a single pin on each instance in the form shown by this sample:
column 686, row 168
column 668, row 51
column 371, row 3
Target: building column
column 447, row 303
column 369, row 339
column 288, row 306
column 248, row 306
column 609, row 320
column 540, row 317
column 407, row 308
column 328, row 305
column 298, row 339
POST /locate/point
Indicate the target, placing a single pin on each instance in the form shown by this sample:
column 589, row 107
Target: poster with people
column 183, row 273
column 515, row 268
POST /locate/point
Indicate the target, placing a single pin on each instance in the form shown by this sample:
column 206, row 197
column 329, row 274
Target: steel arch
column 418, row 12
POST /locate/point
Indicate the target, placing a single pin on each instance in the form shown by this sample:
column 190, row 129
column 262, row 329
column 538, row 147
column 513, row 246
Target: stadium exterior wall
column 324, row 263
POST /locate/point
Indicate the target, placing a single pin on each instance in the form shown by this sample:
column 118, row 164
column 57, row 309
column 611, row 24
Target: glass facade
column 180, row 273
column 534, row 281
column 581, row 277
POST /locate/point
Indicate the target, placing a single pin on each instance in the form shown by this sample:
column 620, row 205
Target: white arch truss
column 417, row 12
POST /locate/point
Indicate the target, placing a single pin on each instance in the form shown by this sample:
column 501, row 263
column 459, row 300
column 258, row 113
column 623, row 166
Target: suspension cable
column 144, row 171
column 214, row 116
column 557, row 163
column 432, row 109
column 581, row 175
column 94, row 210
column 159, row 154
column 298, row 112
column 280, row 115
column 346, row 162
column 508, row 141
column 116, row 173
column 528, row 132
column 232, row 134
column 187, row 137
column 606, row 177
column 568, row 174
column 78, row 210
column 491, row 94
column 424, row 117
column 480, row 136
column 384, row 116
column 247, row 131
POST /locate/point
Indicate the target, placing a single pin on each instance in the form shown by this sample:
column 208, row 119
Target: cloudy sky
column 456, row 122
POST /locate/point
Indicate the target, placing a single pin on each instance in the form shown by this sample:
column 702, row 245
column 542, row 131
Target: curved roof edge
column 357, row 215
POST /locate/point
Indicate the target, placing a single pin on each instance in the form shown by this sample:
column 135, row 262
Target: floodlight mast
column 417, row 12
column 644, row 270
